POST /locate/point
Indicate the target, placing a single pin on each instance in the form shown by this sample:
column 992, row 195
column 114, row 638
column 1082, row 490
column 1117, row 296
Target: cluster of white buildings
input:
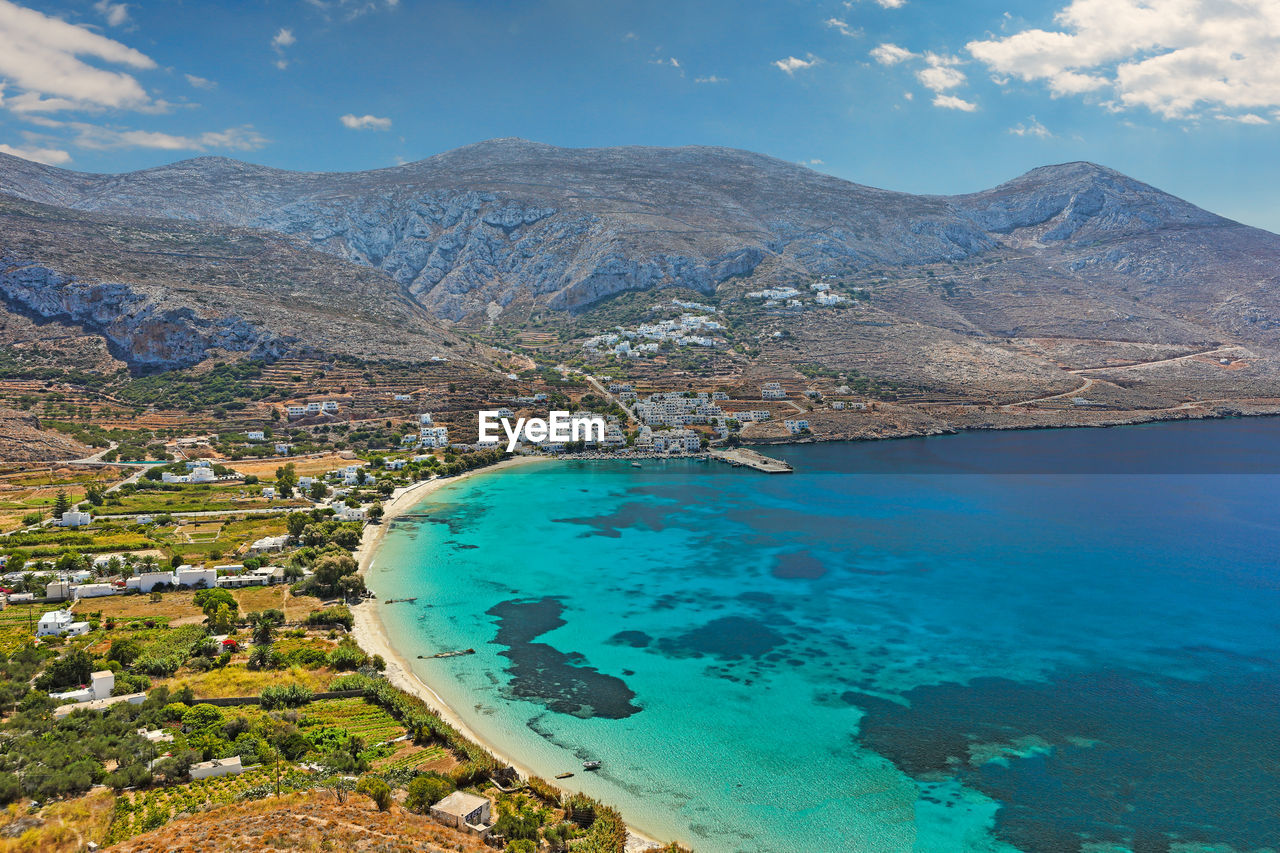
column 74, row 518
column 687, row 330
column 304, row 410
column 775, row 297
column 199, row 474
column 796, row 425
column 772, row 391
column 671, row 440
column 678, row 410
column 675, row 409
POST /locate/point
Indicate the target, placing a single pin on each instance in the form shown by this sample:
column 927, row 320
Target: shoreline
column 371, row 635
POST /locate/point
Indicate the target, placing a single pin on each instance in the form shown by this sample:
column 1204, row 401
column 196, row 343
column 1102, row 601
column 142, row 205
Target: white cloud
column 892, row 4
column 200, row 82
column 940, row 73
column 42, row 56
column 951, row 102
column 115, row 13
column 711, row 78
column 282, row 39
column 97, row 137
column 842, row 27
column 1032, row 127
column 891, row 54
column 48, row 156
column 791, row 64
column 1247, row 118
column 1170, row 56
column 365, row 122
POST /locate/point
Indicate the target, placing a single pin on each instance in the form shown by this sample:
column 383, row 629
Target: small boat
column 591, row 765
column 635, row 464
column 563, row 775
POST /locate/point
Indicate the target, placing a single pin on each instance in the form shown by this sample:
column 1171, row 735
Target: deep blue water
column 877, row 652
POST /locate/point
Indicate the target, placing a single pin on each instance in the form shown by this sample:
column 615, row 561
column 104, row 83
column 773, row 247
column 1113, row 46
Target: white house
column 351, row 513
column 189, row 576
column 237, row 581
column 58, row 622
column 74, row 518
column 329, row 407
column 146, row 581
column 304, row 483
column 465, row 811
column 283, row 449
column 772, row 391
column 403, row 398
column 100, row 685
column 269, row 492
column 98, row 706
column 91, row 590
column 268, row 543
column 424, row 419
column 217, row 767
column 295, row 411
column 435, row 437
column 313, row 408
column 796, row 425
column 202, row 475
column 255, row 435
column 58, row 591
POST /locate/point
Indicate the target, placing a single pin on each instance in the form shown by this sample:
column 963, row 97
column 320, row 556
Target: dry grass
column 304, row 821
column 305, row 466
column 295, row 607
column 62, row 827
column 239, row 681
column 172, row 606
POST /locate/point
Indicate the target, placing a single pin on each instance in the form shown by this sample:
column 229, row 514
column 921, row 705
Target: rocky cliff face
column 470, row 231
column 138, row 328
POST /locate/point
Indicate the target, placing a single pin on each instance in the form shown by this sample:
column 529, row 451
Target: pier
column 743, row 457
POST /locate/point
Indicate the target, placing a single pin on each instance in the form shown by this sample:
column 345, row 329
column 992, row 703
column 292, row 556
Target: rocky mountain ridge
column 468, row 232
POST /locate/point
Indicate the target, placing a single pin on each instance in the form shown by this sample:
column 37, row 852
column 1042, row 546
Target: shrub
column 376, row 790
column 293, row 696
column 426, row 790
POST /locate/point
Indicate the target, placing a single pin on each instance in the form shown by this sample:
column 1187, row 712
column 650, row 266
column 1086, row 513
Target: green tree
column 376, row 790
column 209, row 600
column 61, row 504
column 286, row 480
column 296, row 522
column 69, row 671
column 426, row 790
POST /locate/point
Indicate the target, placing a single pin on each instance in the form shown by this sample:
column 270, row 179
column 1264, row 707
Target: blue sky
column 915, row 95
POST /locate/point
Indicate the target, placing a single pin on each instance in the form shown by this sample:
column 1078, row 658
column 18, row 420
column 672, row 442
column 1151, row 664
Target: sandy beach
column 369, row 632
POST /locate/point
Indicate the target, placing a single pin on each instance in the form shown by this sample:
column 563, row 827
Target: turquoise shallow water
column 877, row 652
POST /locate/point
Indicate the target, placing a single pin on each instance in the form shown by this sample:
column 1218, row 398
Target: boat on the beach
column 404, row 600
column 563, row 775
column 591, row 765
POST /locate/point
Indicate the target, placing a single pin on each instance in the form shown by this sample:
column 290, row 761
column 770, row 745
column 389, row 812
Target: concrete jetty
column 745, row 457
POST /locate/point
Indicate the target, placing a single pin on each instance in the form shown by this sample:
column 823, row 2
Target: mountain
column 510, row 228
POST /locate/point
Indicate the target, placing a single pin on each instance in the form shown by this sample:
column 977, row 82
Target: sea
column 1057, row 641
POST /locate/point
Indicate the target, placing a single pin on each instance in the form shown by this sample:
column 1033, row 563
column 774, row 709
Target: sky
column 925, row 96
